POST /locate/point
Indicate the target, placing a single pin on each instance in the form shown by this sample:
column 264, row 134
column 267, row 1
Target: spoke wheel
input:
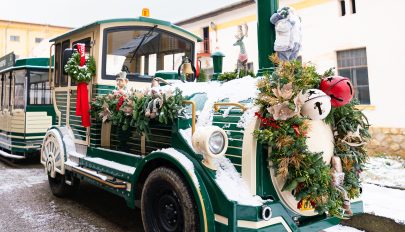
column 53, row 154
column 167, row 203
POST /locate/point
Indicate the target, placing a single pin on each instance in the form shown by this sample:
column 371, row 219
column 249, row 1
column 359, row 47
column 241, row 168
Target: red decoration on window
column 81, row 48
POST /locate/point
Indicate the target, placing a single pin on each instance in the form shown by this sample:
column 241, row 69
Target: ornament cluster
column 289, row 98
column 134, row 109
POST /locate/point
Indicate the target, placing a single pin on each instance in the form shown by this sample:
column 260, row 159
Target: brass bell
column 187, row 68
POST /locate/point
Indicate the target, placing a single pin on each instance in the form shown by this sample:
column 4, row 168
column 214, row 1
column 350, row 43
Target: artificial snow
column 187, row 135
column 248, row 116
column 187, row 164
column 232, row 184
column 111, row 164
column 236, row 90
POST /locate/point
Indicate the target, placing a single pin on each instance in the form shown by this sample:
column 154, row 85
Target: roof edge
column 216, row 12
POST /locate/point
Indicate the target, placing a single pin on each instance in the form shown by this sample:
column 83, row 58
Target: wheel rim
column 52, row 155
column 167, row 211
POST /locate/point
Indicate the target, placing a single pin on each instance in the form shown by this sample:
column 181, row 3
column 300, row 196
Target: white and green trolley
column 172, row 181
column 26, row 106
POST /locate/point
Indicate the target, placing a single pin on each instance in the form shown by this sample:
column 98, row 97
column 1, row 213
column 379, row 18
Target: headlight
column 210, row 141
column 216, row 142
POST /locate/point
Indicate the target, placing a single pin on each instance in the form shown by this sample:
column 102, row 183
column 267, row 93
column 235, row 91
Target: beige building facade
column 27, row 39
column 358, row 38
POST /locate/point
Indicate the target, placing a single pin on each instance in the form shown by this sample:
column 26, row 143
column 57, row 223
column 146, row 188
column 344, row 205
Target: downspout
column 5, row 37
column 266, row 34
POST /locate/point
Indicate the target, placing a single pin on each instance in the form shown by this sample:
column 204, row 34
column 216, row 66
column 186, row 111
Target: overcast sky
column 75, row 13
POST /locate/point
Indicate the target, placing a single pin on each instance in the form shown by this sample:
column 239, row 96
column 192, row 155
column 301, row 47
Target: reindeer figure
column 243, row 57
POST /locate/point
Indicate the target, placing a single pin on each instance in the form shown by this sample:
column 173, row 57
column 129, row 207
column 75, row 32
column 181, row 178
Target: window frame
column 104, row 76
column 24, row 88
column 353, row 73
column 28, row 86
column 64, row 77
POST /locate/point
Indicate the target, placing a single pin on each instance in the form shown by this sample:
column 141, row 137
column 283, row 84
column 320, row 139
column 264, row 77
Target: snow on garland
column 136, row 108
column 282, row 97
column 81, row 73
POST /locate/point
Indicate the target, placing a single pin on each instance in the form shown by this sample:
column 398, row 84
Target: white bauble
column 316, row 104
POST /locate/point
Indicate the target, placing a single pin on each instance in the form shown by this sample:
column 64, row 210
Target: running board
column 103, row 179
column 5, row 154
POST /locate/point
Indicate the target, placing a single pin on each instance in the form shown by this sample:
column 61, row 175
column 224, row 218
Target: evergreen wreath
column 129, row 109
column 81, row 74
column 307, row 176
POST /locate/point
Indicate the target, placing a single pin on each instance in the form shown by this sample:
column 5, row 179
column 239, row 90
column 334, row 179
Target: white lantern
column 316, row 104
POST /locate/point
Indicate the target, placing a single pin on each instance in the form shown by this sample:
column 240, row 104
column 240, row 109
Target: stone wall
column 387, row 141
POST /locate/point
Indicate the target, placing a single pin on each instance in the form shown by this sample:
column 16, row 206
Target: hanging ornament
column 340, row 90
column 316, row 104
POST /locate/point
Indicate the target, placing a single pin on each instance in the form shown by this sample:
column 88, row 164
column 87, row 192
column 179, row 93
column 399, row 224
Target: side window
column 58, row 68
column 64, row 77
column 39, row 89
column 6, row 90
column 19, row 83
column 87, row 42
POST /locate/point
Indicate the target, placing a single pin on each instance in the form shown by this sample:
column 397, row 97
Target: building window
column 14, row 38
column 353, row 64
column 38, row 40
column 353, row 6
column 342, row 7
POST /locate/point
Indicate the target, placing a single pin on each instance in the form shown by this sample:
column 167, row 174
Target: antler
column 245, row 27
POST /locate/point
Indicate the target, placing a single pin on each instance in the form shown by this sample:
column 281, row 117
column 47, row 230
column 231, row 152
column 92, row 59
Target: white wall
column 377, row 26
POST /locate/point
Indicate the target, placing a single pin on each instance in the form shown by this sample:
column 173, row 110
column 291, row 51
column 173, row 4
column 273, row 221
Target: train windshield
column 141, row 51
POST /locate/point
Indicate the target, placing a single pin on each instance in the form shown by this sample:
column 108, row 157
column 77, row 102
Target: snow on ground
column 386, row 171
column 340, row 228
column 382, row 201
column 13, row 179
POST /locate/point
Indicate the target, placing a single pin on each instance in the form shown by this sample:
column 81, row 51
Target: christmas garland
column 135, row 109
column 283, row 129
column 81, row 73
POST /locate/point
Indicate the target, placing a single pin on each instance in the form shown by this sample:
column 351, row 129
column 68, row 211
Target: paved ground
column 27, row 204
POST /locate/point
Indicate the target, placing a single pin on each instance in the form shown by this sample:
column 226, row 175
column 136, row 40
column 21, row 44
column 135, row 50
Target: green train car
column 179, row 185
column 26, row 105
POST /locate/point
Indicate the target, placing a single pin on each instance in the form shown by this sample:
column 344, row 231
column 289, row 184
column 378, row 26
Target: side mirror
column 67, row 54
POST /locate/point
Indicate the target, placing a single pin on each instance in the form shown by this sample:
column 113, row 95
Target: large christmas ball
column 340, row 90
column 316, row 104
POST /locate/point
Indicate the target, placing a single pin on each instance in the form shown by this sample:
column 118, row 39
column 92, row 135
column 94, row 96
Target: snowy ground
column 388, row 201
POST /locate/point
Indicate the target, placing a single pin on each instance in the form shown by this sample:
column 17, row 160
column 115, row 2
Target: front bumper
column 280, row 221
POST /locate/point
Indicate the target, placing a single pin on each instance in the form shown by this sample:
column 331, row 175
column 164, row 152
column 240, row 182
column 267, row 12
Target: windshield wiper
column 140, row 44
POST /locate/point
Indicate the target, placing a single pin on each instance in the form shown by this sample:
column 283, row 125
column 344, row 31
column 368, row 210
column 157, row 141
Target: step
column 102, row 178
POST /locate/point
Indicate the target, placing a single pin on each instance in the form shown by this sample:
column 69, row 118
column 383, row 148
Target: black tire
column 59, row 187
column 167, row 203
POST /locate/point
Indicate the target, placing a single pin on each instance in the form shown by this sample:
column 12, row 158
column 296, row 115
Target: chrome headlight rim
column 216, row 148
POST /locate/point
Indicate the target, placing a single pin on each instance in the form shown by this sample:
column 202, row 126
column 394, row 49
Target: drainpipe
column 266, row 34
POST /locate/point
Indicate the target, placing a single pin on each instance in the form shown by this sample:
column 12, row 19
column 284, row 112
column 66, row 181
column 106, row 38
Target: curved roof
column 38, row 63
column 138, row 19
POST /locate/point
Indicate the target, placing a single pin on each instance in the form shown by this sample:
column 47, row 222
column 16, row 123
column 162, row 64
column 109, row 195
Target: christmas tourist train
column 26, row 106
column 280, row 152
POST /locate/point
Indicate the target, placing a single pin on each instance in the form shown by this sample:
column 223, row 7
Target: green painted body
column 24, row 144
column 266, row 34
